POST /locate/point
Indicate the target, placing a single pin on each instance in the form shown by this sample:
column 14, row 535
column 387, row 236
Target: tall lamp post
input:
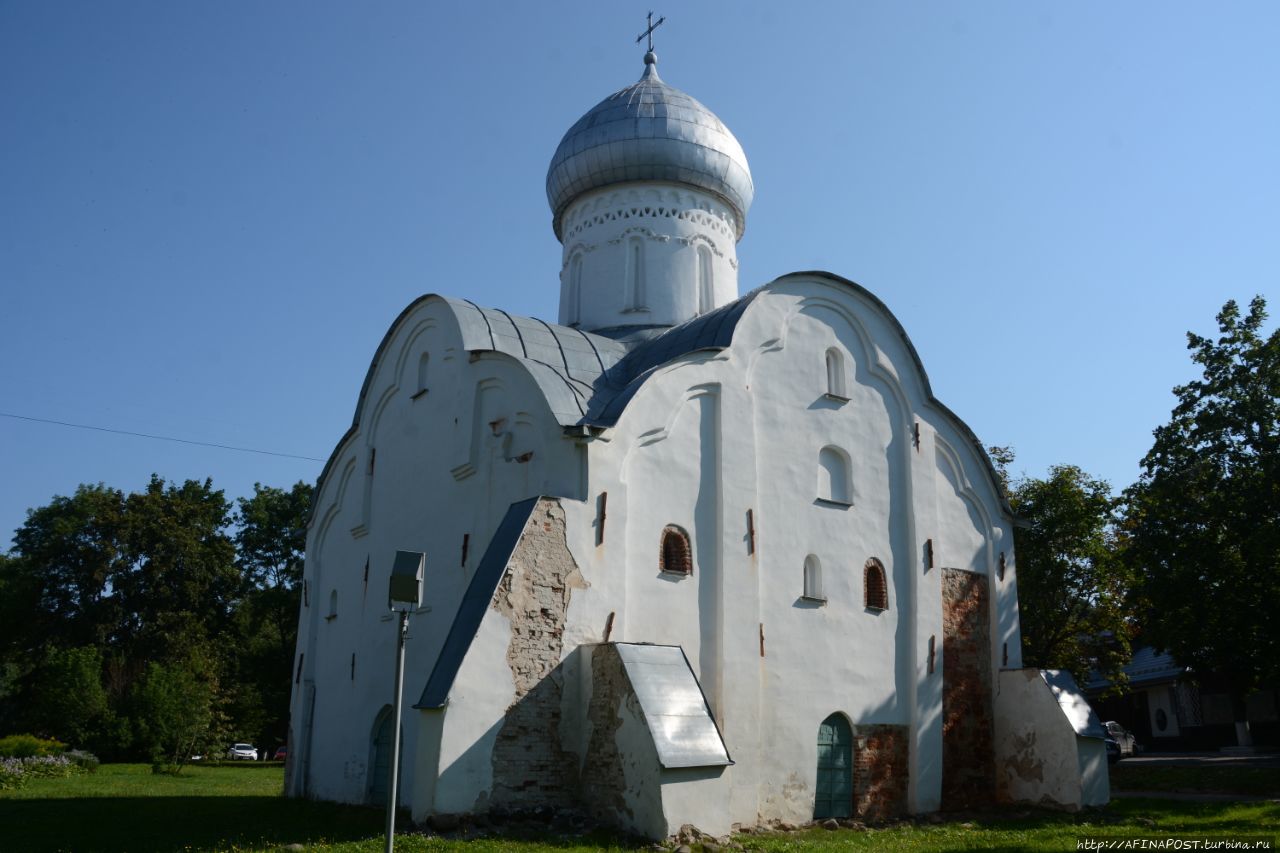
column 404, row 596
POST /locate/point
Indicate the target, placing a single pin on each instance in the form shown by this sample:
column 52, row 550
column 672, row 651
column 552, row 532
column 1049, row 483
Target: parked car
column 280, row 754
column 242, row 752
column 1125, row 743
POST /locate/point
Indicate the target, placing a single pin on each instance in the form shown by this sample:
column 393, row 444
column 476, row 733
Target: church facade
column 691, row 557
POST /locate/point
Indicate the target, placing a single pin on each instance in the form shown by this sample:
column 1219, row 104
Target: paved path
column 1202, row 759
column 1190, row 797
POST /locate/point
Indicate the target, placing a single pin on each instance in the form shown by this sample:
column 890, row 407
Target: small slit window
column 676, row 557
column 836, row 386
column 833, row 476
column 875, row 588
column 333, row 604
column 813, row 579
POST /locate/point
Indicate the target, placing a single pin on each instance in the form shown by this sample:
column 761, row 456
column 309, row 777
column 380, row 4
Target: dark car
column 280, row 754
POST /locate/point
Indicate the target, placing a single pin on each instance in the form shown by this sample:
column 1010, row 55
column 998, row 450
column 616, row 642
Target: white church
column 691, row 557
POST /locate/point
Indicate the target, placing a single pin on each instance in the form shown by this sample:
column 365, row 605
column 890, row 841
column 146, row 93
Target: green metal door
column 835, row 769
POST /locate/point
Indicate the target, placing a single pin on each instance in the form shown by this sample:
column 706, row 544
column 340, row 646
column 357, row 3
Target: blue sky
column 211, row 212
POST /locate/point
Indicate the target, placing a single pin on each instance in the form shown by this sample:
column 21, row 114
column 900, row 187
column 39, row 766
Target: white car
column 1126, row 743
column 242, row 751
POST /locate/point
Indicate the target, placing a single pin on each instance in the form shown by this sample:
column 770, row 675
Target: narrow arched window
column 833, row 476
column 573, row 308
column 875, row 588
column 813, row 578
column 835, row 374
column 706, row 287
column 333, row 604
column 424, row 361
column 677, row 555
column 635, row 274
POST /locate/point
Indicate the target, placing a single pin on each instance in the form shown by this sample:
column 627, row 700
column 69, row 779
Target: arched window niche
column 635, row 290
column 333, row 605
column 706, row 285
column 834, row 485
column 424, row 365
column 837, row 389
column 813, row 579
column 676, row 554
column 875, row 588
column 573, row 296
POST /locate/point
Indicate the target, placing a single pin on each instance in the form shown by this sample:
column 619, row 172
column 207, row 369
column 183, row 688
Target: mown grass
column 1254, row 781
column 127, row 808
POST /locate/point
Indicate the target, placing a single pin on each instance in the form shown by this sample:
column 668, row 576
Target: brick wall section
column 530, row 767
column 603, row 778
column 968, row 758
column 880, row 771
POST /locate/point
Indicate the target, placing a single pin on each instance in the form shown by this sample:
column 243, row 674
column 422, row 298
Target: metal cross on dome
column 649, row 31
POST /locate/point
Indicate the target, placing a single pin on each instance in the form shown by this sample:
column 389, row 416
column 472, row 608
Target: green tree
column 70, row 553
column 1204, row 518
column 67, row 700
column 180, row 583
column 272, row 536
column 1072, row 585
column 174, row 709
column 270, row 542
column 104, row 587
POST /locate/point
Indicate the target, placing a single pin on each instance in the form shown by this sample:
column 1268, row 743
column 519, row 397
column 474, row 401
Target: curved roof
column 649, row 131
column 588, row 379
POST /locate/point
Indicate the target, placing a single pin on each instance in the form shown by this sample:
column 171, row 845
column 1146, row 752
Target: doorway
column 834, row 796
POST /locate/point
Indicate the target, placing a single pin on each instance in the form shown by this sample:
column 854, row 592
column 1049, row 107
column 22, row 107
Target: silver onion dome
column 649, row 131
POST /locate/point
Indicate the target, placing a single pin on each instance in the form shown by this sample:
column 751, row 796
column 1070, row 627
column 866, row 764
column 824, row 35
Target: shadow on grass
column 147, row 824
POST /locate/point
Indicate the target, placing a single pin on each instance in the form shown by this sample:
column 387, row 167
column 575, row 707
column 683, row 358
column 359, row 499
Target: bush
column 51, row 766
column 15, row 772
column 12, row 774
column 29, row 746
column 86, row 761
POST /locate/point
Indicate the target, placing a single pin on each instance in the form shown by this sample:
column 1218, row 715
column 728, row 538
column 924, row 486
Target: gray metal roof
column 711, row 331
column 1145, row 668
column 649, row 131
column 566, row 363
column 1072, row 702
column 588, row 379
column 674, row 708
column 475, row 601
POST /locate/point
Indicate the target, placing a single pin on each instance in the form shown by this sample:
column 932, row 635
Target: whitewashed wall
column 441, row 471
column 717, row 434
column 665, row 224
column 705, row 440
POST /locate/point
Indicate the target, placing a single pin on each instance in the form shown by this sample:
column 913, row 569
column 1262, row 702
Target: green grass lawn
column 1257, row 781
column 124, row 807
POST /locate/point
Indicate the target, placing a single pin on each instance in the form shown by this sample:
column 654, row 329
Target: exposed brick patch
column 968, row 758
column 676, row 554
column 875, row 590
column 603, row 778
column 530, row 767
column 880, row 771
